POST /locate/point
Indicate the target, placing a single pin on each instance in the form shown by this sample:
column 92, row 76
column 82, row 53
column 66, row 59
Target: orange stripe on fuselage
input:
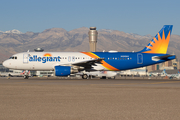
column 105, row 64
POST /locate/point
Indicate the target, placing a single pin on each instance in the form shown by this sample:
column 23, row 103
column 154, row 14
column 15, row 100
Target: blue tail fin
column 160, row 42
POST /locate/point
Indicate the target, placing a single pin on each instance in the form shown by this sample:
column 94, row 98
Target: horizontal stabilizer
column 163, row 57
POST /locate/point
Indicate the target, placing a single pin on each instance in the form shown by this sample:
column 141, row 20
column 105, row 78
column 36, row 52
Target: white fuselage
column 47, row 61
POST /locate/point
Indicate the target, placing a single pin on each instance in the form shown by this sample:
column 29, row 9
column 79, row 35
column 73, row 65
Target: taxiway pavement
column 79, row 99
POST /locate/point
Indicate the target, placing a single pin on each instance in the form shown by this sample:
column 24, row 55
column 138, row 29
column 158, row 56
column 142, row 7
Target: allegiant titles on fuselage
column 44, row 59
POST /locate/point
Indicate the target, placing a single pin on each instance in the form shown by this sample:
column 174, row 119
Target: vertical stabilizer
column 160, row 42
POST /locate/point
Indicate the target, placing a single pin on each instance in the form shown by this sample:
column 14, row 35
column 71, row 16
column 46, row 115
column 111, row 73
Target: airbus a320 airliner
column 66, row 63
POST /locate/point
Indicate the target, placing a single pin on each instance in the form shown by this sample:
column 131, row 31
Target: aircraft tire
column 26, row 77
column 84, row 76
column 103, row 77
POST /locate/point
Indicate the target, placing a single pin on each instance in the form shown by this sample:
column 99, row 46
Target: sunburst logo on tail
column 160, row 42
column 158, row 45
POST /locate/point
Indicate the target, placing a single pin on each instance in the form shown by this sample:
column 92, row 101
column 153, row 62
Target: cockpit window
column 13, row 57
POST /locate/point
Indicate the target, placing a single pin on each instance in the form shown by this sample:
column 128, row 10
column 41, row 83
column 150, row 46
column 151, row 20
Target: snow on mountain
column 13, row 31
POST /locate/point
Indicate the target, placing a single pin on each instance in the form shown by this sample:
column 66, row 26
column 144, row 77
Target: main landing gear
column 84, row 76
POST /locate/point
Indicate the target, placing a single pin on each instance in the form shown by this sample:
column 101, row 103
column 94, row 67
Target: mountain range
column 58, row 39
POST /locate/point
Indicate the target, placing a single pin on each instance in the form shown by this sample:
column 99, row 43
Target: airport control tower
column 92, row 38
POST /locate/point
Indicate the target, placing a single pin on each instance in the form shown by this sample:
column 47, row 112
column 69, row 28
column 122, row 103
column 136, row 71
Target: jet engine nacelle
column 62, row 70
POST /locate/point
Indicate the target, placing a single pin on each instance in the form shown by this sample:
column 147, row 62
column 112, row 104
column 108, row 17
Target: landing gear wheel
column 26, row 76
column 103, row 77
column 84, row 76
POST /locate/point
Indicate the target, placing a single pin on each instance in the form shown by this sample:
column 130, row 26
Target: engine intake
column 62, row 70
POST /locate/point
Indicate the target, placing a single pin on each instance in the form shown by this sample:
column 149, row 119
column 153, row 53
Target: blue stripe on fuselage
column 129, row 60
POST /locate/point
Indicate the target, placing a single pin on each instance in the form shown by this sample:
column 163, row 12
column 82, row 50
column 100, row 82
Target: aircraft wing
column 88, row 63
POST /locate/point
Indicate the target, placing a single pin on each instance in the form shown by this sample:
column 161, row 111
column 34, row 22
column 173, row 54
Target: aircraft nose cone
column 5, row 63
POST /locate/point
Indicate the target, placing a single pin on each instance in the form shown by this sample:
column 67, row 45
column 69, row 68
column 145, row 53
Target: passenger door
column 25, row 58
column 139, row 58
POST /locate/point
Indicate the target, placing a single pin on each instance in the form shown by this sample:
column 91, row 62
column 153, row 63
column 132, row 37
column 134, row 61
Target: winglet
column 160, row 42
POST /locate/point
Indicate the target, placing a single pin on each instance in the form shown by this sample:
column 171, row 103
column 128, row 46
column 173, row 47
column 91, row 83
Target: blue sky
column 131, row 16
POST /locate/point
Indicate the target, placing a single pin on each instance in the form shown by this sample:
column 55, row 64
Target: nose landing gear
column 26, row 76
